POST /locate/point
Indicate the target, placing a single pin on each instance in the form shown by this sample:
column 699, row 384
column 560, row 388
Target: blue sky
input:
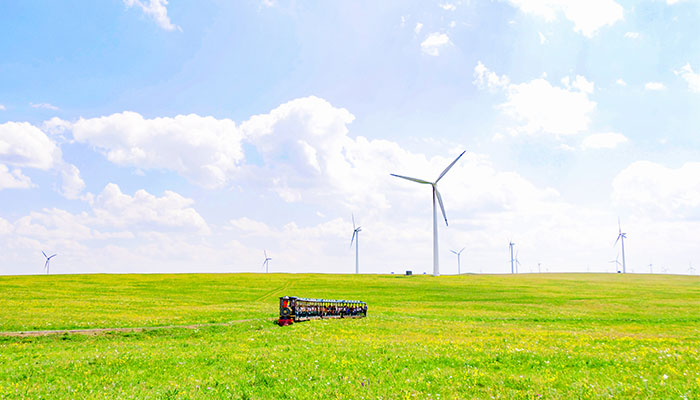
column 154, row 136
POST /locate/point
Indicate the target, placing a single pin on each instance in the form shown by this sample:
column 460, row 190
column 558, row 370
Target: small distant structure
column 266, row 263
column 617, row 263
column 621, row 236
column 409, row 273
column 48, row 259
column 459, row 264
column 356, row 234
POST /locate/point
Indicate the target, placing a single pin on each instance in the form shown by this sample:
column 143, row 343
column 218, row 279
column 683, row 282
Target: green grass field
column 546, row 336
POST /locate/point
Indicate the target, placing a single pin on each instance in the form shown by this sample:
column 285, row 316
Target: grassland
column 528, row 336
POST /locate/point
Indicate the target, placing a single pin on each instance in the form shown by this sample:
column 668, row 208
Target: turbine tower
column 459, row 264
column 436, row 194
column 517, row 263
column 512, row 260
column 622, row 236
column 356, row 233
column 48, row 258
column 266, row 263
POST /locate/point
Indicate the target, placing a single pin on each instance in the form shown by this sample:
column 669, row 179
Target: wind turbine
column 617, row 262
column 459, row 264
column 356, row 233
column 48, row 258
column 517, row 263
column 622, row 236
column 436, row 194
column 266, row 263
column 512, row 260
column 691, row 269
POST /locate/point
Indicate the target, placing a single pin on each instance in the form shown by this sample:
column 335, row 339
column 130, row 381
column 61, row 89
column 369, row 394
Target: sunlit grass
column 526, row 336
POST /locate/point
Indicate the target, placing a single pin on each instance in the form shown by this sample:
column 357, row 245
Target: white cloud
column 448, row 6
column 418, row 28
column 588, row 16
column 608, row 140
column 486, row 79
column 452, row 24
column 621, row 82
column 24, row 145
column 45, row 106
column 155, row 9
column 632, row 35
column 543, row 38
column 540, row 107
column 205, row 150
column 654, row 86
column 5, row 227
column 55, row 126
column 116, row 209
column 659, row 192
column 2, row 107
column 433, row 43
column 72, row 184
column 580, row 83
column 691, row 77
column 13, row 179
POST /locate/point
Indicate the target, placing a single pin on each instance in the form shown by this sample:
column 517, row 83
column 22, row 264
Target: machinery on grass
column 296, row 309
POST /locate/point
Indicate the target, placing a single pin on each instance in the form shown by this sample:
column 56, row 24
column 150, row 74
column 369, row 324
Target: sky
column 170, row 136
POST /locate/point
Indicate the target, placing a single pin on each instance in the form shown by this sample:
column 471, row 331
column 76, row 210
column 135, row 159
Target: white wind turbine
column 517, row 263
column 356, row 234
column 512, row 260
column 622, row 236
column 266, row 263
column 48, row 258
column 436, row 194
column 459, row 264
column 617, row 262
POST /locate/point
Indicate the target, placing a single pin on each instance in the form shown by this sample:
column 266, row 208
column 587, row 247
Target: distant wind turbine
column 617, row 262
column 621, row 236
column 459, row 264
column 356, row 233
column 517, row 263
column 512, row 260
column 436, row 194
column 48, row 258
column 691, row 269
column 266, row 263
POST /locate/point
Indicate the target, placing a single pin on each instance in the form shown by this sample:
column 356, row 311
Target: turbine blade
column 618, row 225
column 454, row 251
column 42, row 252
column 52, row 256
column 412, row 179
column 616, row 240
column 265, row 251
column 442, row 207
column 460, row 252
column 449, row 166
column 353, row 222
column 353, row 237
